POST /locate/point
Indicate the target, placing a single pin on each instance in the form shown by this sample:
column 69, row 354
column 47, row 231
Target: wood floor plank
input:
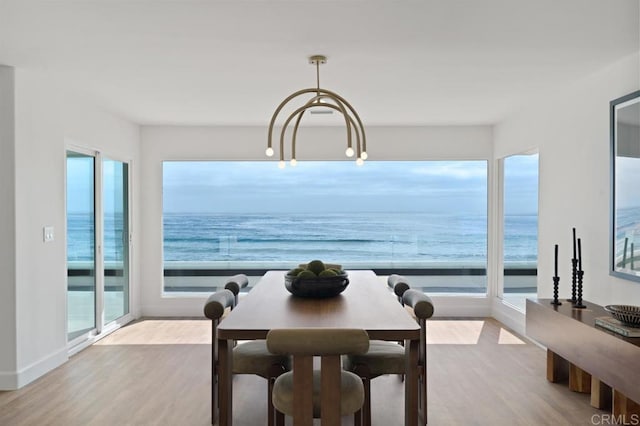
column 157, row 372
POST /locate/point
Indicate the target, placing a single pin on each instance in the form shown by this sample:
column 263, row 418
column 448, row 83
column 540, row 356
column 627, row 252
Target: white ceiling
column 397, row 62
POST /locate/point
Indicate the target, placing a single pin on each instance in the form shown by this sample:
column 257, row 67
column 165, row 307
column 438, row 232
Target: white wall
column 40, row 267
column 248, row 143
column 7, row 229
column 570, row 128
column 46, row 116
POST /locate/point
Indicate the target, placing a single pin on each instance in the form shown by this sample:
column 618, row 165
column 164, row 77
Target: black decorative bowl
column 318, row 287
column 627, row 314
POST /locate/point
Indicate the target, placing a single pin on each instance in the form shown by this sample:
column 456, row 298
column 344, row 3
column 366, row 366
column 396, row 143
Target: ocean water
column 371, row 237
column 374, row 237
column 81, row 237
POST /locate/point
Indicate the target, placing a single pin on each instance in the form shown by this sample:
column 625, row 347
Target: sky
column 322, row 186
column 521, row 184
column 80, row 181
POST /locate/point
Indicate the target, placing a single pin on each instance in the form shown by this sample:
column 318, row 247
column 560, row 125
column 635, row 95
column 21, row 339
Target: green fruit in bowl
column 337, row 271
column 306, row 274
column 295, row 272
column 328, row 273
column 316, row 266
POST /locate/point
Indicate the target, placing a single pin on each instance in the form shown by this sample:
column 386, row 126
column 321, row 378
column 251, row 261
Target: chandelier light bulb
column 269, row 152
column 294, row 162
column 364, row 155
column 359, row 161
column 281, row 164
column 349, row 152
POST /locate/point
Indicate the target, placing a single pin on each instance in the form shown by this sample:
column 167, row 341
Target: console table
column 595, row 360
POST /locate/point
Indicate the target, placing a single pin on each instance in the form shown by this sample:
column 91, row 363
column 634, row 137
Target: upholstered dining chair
column 389, row 357
column 399, row 284
column 235, row 284
column 250, row 357
column 328, row 393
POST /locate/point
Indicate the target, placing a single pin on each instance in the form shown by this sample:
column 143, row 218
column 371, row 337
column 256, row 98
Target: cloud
column 322, row 186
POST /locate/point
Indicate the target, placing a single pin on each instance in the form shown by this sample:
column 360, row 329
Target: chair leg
column 422, row 399
column 279, row 418
column 366, row 408
column 214, row 399
column 270, row 408
column 357, row 418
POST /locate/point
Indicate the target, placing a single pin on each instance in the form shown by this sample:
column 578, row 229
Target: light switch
column 47, row 234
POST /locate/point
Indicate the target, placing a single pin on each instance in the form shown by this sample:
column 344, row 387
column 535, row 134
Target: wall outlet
column 48, row 234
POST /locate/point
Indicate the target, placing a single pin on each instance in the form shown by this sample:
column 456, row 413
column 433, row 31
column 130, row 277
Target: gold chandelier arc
column 323, row 99
column 325, row 105
column 314, row 103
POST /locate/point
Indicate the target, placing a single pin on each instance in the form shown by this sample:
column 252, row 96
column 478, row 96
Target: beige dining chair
column 235, row 284
column 399, row 284
column 250, row 357
column 328, row 393
column 389, row 357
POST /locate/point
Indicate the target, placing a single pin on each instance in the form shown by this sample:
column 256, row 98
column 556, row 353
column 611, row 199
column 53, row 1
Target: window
column 520, row 228
column 424, row 218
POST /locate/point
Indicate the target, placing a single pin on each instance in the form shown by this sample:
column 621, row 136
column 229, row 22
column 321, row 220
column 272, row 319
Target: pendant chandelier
column 321, row 98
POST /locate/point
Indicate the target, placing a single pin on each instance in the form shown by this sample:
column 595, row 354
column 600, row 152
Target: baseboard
column 8, row 381
column 168, row 310
column 16, row 380
column 461, row 306
column 509, row 316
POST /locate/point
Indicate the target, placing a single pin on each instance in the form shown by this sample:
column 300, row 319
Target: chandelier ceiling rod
column 336, row 102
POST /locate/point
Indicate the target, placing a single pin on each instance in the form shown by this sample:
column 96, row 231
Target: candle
column 579, row 255
column 574, row 243
column 556, row 263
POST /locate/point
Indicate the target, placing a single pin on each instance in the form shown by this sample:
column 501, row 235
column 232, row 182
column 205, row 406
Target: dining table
column 366, row 304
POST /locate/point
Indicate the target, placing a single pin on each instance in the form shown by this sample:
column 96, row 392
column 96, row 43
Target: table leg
column 225, row 383
column 600, row 394
column 411, row 383
column 557, row 367
column 624, row 408
column 579, row 380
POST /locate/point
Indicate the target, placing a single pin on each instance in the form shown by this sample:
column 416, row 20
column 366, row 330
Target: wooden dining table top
column 366, row 303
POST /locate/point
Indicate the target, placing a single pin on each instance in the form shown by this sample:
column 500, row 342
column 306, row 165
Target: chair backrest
column 421, row 303
column 216, row 304
column 317, row 341
column 329, row 344
column 399, row 284
column 214, row 309
column 423, row 309
column 235, row 283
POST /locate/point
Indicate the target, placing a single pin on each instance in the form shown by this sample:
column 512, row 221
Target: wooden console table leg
column 557, row 367
column 579, row 380
column 601, row 396
column 623, row 406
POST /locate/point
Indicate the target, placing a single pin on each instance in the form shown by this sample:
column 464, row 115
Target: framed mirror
column 625, row 187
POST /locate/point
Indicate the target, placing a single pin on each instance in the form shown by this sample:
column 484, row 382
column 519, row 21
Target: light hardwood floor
column 157, row 372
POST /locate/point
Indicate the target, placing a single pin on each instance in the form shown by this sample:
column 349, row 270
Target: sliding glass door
column 97, row 242
column 115, row 208
column 81, row 244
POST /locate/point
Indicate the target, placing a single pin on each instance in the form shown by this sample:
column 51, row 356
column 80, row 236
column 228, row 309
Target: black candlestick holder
column 555, row 301
column 574, row 274
column 578, row 303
